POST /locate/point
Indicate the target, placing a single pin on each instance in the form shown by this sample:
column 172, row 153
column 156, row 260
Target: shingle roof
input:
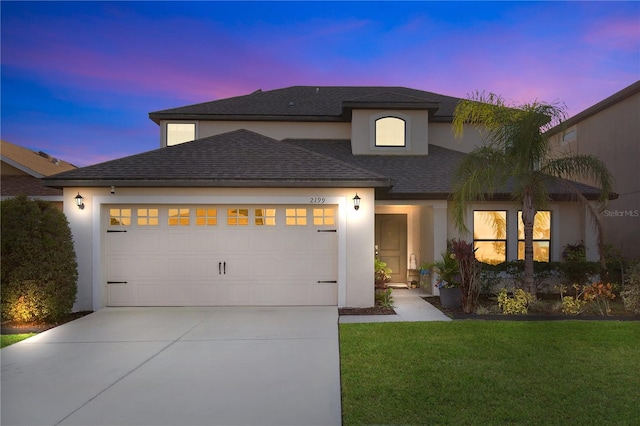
column 312, row 103
column 238, row 158
column 26, row 185
column 36, row 164
column 421, row 177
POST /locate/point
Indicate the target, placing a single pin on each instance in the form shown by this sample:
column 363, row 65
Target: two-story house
column 610, row 130
column 284, row 197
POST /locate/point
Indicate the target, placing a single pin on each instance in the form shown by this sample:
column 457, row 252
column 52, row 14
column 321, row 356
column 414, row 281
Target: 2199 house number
column 317, row 200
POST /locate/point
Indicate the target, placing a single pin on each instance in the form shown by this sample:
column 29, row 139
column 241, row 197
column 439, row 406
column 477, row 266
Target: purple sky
column 79, row 78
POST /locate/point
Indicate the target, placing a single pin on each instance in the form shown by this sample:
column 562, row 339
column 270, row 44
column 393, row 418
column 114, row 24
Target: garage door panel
column 120, row 295
column 179, row 265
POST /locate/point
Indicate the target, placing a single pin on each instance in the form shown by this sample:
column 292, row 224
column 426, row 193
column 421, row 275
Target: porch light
column 356, row 202
column 79, row 201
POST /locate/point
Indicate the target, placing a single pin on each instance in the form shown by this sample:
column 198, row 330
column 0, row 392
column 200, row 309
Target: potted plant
column 448, row 280
column 382, row 274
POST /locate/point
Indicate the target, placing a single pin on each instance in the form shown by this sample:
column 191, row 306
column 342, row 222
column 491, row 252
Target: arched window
column 390, row 131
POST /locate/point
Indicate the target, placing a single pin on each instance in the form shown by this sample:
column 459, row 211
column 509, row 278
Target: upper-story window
column 180, row 132
column 390, row 131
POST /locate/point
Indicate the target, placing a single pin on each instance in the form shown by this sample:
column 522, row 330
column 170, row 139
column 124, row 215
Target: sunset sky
column 79, row 78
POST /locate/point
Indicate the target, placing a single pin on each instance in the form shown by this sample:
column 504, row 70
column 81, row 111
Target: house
column 284, row 197
column 21, row 170
column 610, row 130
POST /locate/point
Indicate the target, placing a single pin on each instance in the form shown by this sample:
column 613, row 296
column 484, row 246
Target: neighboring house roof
column 37, row 164
column 313, row 103
column 240, row 158
column 600, row 106
column 13, row 185
column 22, row 169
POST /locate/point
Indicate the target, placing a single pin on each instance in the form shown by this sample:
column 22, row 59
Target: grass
column 10, row 339
column 491, row 373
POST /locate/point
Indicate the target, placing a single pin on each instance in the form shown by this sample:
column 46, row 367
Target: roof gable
column 240, row 158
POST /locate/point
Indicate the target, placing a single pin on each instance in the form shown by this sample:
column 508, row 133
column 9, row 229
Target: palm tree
column 516, row 159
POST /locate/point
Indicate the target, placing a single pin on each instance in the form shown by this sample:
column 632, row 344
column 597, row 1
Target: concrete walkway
column 409, row 306
column 178, row 366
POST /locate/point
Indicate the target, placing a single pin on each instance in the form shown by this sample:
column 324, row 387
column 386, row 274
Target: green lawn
column 10, row 339
column 491, row 373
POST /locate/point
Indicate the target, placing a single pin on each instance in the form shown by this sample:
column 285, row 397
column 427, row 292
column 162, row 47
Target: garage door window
column 206, row 217
column 324, row 217
column 120, row 217
column 147, row 217
column 237, row 217
column 265, row 217
column 296, row 217
column 178, row 217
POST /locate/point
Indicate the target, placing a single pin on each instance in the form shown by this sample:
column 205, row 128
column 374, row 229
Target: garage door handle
column 219, row 268
column 327, row 282
column 327, row 230
column 225, row 267
column 113, row 230
column 116, row 282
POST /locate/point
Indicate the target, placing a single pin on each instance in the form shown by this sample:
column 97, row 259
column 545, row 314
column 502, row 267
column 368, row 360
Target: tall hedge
column 39, row 271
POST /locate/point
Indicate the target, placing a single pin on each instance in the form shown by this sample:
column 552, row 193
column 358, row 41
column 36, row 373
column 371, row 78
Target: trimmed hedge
column 39, row 271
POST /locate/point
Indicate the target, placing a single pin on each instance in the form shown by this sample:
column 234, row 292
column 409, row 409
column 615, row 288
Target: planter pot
column 451, row 297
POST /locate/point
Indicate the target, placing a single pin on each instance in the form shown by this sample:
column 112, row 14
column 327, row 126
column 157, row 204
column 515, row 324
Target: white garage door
column 197, row 255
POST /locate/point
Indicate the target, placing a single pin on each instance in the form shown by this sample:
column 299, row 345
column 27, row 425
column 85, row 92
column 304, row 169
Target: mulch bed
column 458, row 313
column 9, row 327
column 374, row 310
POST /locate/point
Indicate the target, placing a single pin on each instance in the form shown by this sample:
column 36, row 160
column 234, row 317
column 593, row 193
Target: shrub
column 516, row 305
column 384, row 298
column 600, row 294
column 631, row 292
column 38, row 270
column 382, row 273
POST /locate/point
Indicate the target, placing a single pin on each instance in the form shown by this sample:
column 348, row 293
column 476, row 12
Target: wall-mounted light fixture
column 356, row 202
column 79, row 201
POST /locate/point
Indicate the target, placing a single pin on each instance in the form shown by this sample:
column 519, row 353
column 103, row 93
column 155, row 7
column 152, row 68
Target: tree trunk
column 528, row 217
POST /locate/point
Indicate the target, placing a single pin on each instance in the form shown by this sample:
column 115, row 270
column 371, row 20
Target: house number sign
column 317, row 200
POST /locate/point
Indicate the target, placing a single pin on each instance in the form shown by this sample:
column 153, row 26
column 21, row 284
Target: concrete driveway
column 178, row 366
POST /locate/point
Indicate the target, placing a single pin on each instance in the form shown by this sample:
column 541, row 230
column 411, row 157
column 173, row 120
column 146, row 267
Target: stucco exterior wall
column 441, row 134
column 613, row 135
column 355, row 236
column 274, row 129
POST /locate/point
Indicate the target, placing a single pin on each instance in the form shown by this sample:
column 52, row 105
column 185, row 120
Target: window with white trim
column 324, row 216
column 237, row 217
column 120, row 217
column 147, row 217
column 206, row 217
column 178, row 217
column 265, row 217
column 295, row 217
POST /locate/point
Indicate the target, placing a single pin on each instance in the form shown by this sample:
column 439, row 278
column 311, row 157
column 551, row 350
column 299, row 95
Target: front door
column 391, row 243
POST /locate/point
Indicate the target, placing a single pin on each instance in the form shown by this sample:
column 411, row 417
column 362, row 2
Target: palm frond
column 479, row 175
column 579, row 167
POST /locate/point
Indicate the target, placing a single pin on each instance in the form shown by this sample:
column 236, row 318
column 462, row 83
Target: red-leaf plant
column 469, row 269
